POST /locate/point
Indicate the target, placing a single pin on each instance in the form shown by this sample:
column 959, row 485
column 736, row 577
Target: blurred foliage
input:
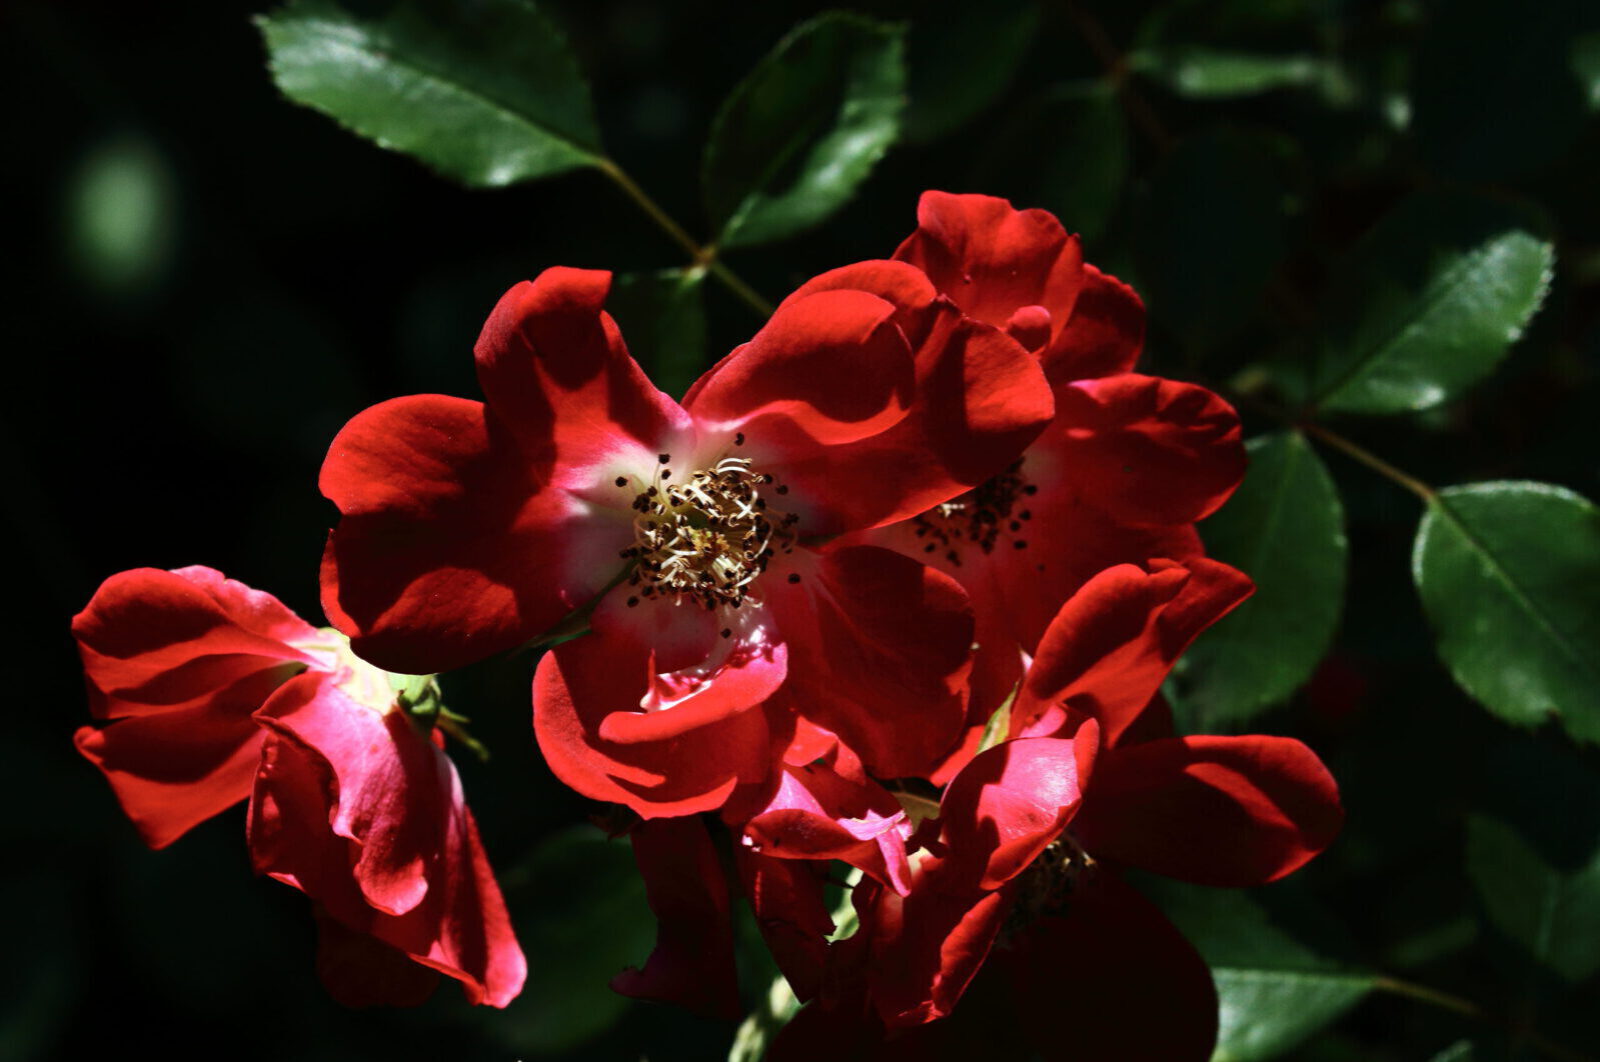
column 1370, row 223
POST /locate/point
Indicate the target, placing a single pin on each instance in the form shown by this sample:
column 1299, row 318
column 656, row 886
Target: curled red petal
column 1149, row 451
column 153, row 639
column 980, row 400
column 554, row 369
column 1103, row 335
column 832, row 367
column 993, row 259
column 448, row 550
column 1012, row 801
column 178, row 661
column 817, row 813
column 879, row 653
column 578, row 685
column 370, row 821
column 786, row 897
column 692, row 964
column 1111, row 645
column 1233, row 811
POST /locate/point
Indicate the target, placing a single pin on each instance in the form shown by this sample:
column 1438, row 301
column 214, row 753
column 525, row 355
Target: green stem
column 702, row 257
column 1433, row 997
column 1371, row 460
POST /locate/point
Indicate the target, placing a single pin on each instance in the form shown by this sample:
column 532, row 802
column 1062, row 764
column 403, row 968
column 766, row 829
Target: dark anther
column 1020, row 544
column 783, row 488
column 1025, row 515
column 727, row 632
column 1016, row 525
column 666, row 473
column 738, row 440
column 622, row 481
column 632, row 601
column 930, row 547
column 794, row 577
column 663, row 458
column 1031, row 488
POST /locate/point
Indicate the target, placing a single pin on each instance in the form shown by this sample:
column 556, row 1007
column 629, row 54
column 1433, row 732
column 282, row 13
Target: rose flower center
column 708, row 537
column 979, row 517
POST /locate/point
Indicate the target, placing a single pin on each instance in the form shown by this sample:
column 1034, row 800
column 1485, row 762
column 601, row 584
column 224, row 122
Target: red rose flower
column 694, row 533
column 212, row 692
column 1121, row 474
column 1030, row 833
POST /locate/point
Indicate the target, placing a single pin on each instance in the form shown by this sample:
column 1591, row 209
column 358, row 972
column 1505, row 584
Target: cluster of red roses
column 896, row 585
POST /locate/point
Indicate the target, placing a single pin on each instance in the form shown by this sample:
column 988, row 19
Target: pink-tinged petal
column 554, row 369
column 415, row 851
column 694, row 768
column 980, row 400
column 1233, row 811
column 993, row 259
column 1116, row 975
column 692, row 964
column 1012, row 801
column 359, row 970
column 786, row 897
column 448, row 550
column 1149, row 451
column 816, row 813
column 833, row 367
column 153, row 639
column 1103, row 335
column 879, row 652
column 1110, row 647
column 390, row 803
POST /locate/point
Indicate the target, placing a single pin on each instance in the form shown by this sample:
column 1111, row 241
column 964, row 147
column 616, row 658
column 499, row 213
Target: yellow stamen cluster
column 707, row 538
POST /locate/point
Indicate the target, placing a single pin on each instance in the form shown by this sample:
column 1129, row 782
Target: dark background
column 207, row 281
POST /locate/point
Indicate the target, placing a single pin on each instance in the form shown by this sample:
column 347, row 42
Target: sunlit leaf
column 1555, row 916
column 797, row 136
column 486, row 93
column 1284, row 528
column 1428, row 303
column 1509, row 574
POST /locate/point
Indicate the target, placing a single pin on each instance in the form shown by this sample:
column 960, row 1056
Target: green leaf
column 1273, row 992
column 1584, row 55
column 1555, row 916
column 581, row 916
column 1428, row 303
column 1213, row 73
column 962, row 60
column 1460, row 1051
column 798, row 135
column 663, row 320
column 1509, row 575
column 1066, row 152
column 1284, row 528
column 1207, row 269
column 484, row 92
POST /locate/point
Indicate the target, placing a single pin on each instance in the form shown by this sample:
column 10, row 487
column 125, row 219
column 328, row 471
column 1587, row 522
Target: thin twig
column 702, row 257
column 1371, row 460
column 1445, row 1001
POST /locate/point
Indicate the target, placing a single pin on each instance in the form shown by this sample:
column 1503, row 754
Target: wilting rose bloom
column 1121, row 474
column 695, row 536
column 1018, row 872
column 209, row 693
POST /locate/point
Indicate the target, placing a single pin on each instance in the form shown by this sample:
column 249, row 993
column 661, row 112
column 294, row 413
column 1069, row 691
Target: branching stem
column 701, row 257
column 1433, row 997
